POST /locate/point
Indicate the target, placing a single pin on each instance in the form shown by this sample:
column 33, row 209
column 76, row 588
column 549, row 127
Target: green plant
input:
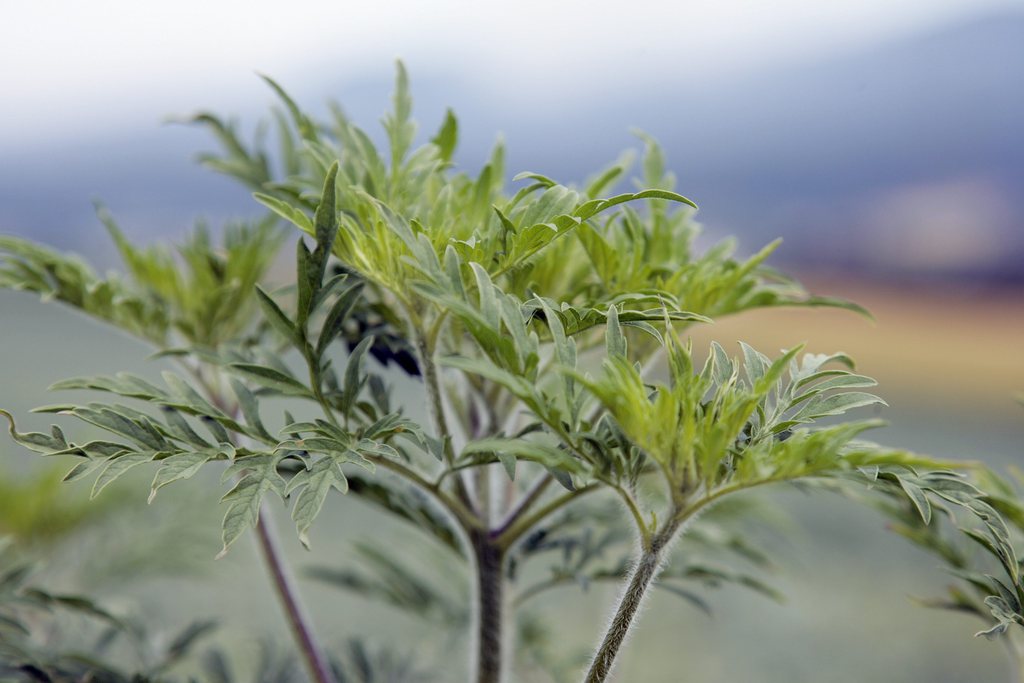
column 971, row 527
column 533, row 319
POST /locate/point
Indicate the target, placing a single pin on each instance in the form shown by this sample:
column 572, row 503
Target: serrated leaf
column 317, row 482
column 258, row 477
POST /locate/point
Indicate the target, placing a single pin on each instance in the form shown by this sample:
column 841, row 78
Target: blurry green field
column 847, row 580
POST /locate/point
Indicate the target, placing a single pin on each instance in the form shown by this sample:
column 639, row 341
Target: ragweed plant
column 532, row 316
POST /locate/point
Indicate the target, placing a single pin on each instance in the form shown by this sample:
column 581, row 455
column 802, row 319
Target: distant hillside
column 905, row 158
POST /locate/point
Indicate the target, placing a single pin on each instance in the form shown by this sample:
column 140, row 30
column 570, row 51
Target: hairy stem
column 643, row 575
column 490, row 613
column 313, row 656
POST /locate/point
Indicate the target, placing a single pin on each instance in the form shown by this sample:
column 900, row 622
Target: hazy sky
column 69, row 67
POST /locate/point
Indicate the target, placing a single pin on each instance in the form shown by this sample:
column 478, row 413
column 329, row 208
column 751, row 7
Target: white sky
column 71, row 66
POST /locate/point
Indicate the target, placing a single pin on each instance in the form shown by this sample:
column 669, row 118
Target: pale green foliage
column 734, row 423
column 404, row 216
column 953, row 517
column 202, row 297
column 533, row 318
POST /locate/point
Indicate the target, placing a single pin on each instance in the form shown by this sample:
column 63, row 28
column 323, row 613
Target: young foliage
column 532, row 317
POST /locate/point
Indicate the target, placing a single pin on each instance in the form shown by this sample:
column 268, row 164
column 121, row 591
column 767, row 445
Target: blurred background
column 882, row 141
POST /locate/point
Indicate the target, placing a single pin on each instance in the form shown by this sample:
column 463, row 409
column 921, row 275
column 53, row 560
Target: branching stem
column 651, row 557
column 640, row 580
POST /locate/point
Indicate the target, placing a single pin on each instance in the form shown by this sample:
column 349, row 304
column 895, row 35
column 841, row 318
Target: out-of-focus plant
column 38, row 509
column 972, row 524
column 37, row 643
column 531, row 316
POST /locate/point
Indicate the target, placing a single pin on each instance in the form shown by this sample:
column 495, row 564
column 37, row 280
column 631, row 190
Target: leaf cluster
column 971, row 523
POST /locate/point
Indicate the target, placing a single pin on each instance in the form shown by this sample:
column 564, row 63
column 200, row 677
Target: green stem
column 644, row 573
column 634, row 510
column 640, row 580
column 435, row 406
column 315, row 382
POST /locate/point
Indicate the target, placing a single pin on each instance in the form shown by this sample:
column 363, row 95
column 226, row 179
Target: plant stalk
column 313, row 655
column 490, row 607
column 435, row 406
column 643, row 575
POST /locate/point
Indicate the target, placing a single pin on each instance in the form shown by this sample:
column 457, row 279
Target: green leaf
column 36, row 441
column 354, row 377
column 918, row 498
column 519, row 386
column 307, row 129
column 836, row 404
column 250, row 408
column 447, row 137
column 271, row 379
column 325, row 222
column 595, row 206
column 529, row 175
column 258, row 476
column 313, row 485
column 615, row 341
column 286, row 211
column 117, row 466
column 533, row 451
column 180, row 429
column 335, row 321
column 277, row 319
column 306, row 284
column 177, row 467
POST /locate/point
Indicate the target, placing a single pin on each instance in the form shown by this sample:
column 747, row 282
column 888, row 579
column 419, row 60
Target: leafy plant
column 971, row 526
column 37, row 645
column 533, row 318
